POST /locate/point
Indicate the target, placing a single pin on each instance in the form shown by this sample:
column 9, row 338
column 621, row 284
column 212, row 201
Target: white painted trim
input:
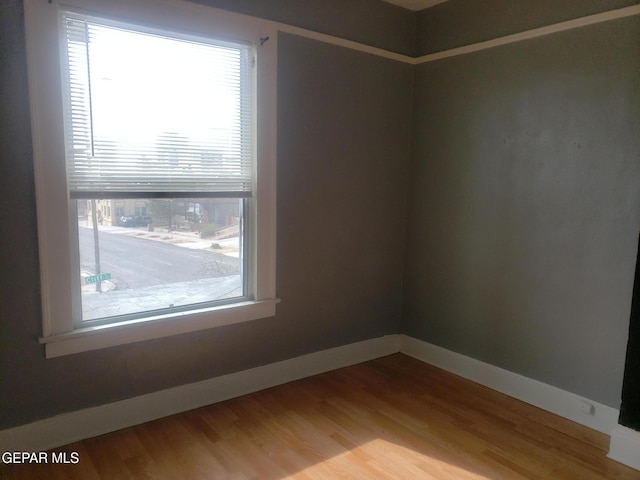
column 63, row 332
column 529, row 34
column 476, row 47
column 415, row 5
column 553, row 399
column 148, row 328
column 341, row 42
column 71, row 427
column 625, row 447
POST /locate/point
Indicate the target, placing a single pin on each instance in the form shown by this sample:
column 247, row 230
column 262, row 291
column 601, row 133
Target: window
column 165, row 118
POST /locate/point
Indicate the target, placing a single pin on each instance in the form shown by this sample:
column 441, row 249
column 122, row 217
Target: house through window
column 168, row 218
column 163, row 124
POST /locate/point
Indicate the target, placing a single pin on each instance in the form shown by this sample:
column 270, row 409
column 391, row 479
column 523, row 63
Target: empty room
column 320, row 239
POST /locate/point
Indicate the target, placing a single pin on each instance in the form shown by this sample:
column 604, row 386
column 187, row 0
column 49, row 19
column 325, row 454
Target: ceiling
column 415, row 4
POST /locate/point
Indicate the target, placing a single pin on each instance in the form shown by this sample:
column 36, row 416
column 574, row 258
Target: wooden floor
column 394, row 418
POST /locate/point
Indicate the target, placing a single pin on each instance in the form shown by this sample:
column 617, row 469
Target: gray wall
column 524, row 206
column 455, row 23
column 343, row 152
column 521, row 222
column 371, row 22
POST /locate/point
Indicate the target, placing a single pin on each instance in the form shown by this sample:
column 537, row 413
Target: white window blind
column 153, row 114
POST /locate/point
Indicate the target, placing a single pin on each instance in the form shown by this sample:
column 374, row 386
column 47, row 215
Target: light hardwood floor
column 391, row 418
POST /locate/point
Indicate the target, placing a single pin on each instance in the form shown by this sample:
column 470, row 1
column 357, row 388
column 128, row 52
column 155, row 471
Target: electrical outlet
column 587, row 408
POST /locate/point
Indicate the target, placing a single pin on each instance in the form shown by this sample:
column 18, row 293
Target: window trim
column 60, row 297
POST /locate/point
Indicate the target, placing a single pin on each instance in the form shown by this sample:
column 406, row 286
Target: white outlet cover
column 587, row 407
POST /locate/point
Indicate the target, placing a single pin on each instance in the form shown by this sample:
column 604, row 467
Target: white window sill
column 103, row 336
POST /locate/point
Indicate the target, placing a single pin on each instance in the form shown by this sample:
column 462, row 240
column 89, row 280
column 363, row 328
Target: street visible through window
column 159, row 254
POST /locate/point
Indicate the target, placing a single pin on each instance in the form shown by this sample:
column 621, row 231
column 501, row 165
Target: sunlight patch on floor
column 380, row 458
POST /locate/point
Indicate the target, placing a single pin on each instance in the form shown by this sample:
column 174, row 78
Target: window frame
column 61, row 302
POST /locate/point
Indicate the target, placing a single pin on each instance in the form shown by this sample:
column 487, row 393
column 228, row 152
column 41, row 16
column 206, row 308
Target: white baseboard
column 71, row 427
column 566, row 404
column 625, row 446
